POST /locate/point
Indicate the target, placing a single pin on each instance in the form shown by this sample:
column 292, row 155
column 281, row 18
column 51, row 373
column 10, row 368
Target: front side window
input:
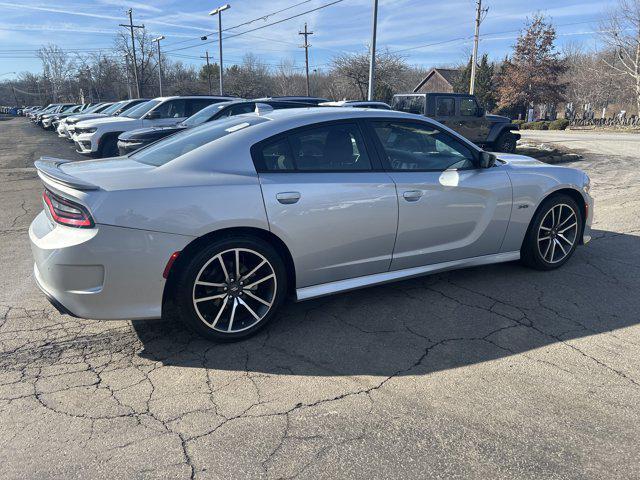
column 411, row 146
column 445, row 107
column 468, row 107
column 171, row 109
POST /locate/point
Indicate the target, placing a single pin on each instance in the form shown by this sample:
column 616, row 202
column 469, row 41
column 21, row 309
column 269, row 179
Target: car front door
column 327, row 198
column 170, row 112
column 448, row 208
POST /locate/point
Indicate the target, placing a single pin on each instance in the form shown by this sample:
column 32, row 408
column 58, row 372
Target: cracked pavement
column 490, row 372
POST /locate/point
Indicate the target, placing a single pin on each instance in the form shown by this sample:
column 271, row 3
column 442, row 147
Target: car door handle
column 287, row 198
column 412, row 195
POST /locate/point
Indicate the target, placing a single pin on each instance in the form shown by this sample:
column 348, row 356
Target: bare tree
column 352, row 71
column 147, row 63
column 57, row 67
column 621, row 32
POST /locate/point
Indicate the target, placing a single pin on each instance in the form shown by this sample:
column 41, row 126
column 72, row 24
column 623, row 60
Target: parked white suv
column 99, row 137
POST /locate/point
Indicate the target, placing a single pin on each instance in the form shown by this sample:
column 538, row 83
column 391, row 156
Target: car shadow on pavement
column 432, row 323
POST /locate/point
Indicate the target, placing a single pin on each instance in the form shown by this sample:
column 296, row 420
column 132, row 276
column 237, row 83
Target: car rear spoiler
column 49, row 171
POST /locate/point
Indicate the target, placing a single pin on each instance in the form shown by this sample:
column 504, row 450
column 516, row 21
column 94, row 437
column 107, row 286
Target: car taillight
column 67, row 212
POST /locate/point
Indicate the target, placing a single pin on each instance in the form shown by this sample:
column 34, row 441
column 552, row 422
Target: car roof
column 189, row 97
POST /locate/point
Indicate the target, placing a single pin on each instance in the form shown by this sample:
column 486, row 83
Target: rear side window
column 445, row 107
column 196, row 104
column 335, row 147
column 468, row 107
column 409, row 104
column 276, row 155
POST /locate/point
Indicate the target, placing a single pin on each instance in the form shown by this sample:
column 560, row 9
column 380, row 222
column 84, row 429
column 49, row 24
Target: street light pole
column 372, row 60
column 157, row 40
column 218, row 11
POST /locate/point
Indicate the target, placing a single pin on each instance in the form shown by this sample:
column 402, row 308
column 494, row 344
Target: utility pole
column 372, row 60
column 206, row 56
column 218, row 11
column 131, row 26
column 480, row 12
column 126, row 59
column 157, row 40
column 306, row 46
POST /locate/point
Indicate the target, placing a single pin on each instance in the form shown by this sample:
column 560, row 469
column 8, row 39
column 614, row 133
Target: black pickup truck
column 462, row 113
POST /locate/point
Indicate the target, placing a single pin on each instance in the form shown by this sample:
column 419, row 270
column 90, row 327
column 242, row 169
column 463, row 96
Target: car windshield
column 205, row 114
column 141, row 109
column 129, row 108
column 112, row 108
column 175, row 146
column 94, row 108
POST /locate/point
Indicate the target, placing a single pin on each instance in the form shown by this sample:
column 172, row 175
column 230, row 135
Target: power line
column 263, row 26
column 262, row 17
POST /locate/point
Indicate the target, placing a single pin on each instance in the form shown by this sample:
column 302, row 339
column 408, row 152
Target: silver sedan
column 227, row 219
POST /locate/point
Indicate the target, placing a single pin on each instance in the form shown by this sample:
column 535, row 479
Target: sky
column 426, row 32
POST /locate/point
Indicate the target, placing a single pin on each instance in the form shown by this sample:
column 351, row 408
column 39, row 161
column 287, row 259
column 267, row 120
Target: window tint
column 445, row 107
column 332, row 147
column 276, row 155
column 194, row 105
column 468, row 107
column 410, row 146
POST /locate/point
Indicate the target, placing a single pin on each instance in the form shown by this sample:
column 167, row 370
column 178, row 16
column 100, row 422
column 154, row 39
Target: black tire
column 506, row 143
column 534, row 252
column 109, row 147
column 213, row 318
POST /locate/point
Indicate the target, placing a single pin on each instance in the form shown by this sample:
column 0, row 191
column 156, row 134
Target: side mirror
column 481, row 112
column 487, row 160
column 152, row 115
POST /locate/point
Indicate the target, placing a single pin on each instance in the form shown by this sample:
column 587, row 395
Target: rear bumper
column 104, row 272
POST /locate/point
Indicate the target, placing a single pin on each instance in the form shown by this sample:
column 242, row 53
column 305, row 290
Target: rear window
column 175, row 146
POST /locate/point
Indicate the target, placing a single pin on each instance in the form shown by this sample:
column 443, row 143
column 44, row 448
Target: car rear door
column 448, row 208
column 445, row 111
column 327, row 198
column 471, row 125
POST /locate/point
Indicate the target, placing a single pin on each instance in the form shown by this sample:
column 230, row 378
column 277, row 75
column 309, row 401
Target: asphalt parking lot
column 491, row 372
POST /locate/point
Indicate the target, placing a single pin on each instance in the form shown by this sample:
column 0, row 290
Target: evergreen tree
column 485, row 82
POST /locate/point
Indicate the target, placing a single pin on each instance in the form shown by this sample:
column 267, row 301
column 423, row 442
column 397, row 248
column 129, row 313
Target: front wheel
column 231, row 288
column 553, row 233
column 506, row 143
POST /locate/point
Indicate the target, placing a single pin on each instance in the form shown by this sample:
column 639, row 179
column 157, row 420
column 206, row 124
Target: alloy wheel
column 557, row 233
column 234, row 290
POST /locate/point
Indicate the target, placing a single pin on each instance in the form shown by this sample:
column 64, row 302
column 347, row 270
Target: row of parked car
column 109, row 129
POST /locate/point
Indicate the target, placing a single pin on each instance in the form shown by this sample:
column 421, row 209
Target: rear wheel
column 506, row 143
column 232, row 288
column 553, row 234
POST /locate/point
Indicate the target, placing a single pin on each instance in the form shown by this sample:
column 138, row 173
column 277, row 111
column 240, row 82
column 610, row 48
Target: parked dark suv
column 462, row 113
